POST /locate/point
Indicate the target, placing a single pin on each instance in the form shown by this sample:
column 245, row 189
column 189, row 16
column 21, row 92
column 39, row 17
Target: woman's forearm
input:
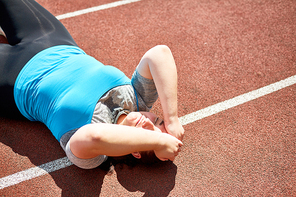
column 117, row 140
column 158, row 64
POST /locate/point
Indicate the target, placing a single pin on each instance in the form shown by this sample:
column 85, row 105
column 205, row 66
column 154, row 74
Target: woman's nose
column 148, row 124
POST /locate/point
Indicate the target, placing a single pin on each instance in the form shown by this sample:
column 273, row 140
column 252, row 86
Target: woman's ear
column 137, row 155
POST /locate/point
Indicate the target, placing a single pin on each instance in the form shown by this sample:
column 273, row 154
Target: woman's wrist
column 159, row 142
column 171, row 119
column 174, row 127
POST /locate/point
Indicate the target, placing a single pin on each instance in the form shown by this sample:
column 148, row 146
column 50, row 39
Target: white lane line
column 219, row 107
column 208, row 111
column 34, row 172
column 94, row 9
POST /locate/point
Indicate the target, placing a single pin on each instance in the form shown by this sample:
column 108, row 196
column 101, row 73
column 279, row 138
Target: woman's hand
column 168, row 147
column 138, row 120
column 174, row 127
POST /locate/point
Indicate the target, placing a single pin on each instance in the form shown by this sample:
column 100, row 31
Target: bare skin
column 144, row 120
column 158, row 64
column 118, row 140
column 139, row 132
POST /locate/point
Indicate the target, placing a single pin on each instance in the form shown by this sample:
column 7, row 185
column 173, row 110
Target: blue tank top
column 61, row 85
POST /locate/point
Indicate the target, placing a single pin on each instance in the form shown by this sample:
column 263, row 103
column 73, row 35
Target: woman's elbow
column 161, row 49
column 88, row 133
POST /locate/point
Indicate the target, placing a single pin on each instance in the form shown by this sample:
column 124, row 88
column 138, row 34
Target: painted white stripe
column 94, row 9
column 219, row 107
column 34, row 172
column 208, row 111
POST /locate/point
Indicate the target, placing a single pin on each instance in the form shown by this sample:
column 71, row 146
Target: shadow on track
column 155, row 180
column 34, row 141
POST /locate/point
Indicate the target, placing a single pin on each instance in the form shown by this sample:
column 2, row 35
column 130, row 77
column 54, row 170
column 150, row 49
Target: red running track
column 222, row 49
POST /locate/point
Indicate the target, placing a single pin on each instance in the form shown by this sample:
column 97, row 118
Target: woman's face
column 145, row 120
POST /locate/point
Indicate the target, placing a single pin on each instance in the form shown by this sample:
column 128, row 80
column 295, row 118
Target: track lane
column 222, row 49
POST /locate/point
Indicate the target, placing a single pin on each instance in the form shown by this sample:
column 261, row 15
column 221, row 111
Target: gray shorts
column 115, row 102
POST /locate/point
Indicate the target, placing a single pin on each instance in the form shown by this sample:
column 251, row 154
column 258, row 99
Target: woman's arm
column 116, row 140
column 158, row 64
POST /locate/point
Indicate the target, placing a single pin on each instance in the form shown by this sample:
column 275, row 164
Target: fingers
column 180, row 137
column 179, row 150
column 167, row 159
column 170, row 153
column 170, row 158
column 180, row 144
column 145, row 123
column 175, row 129
column 163, row 159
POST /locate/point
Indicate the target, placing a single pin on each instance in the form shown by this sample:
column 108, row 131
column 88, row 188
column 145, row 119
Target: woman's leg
column 29, row 29
column 27, row 21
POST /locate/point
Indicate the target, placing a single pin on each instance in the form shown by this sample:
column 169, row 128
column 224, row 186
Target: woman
column 85, row 104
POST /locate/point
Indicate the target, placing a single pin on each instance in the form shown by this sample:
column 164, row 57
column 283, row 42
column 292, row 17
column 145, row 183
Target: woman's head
column 145, row 120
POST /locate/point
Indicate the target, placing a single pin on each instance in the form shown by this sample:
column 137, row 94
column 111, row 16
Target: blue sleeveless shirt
column 61, row 85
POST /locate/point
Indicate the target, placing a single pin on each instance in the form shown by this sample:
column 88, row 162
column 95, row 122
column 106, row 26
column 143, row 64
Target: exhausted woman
column 93, row 110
